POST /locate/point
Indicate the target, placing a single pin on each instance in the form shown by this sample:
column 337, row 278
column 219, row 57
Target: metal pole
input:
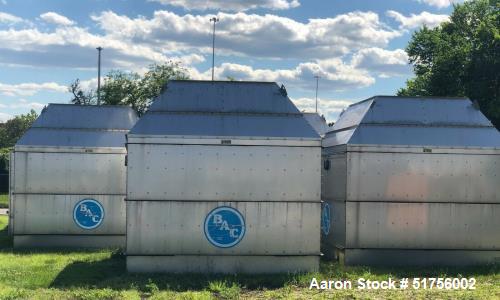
column 317, row 84
column 99, row 49
column 215, row 20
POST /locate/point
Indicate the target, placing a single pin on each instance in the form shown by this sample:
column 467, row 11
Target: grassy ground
column 102, row 275
column 4, row 201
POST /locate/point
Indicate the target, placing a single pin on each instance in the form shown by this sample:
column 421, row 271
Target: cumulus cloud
column 57, row 19
column 24, row 104
column 4, row 117
column 415, row 21
column 384, row 63
column 9, row 19
column 30, row 89
column 335, row 75
column 263, row 36
column 440, row 3
column 234, row 5
column 330, row 108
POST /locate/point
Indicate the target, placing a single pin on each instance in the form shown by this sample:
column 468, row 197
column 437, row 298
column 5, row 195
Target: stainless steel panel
column 53, row 214
column 334, row 180
column 420, row 121
column 423, row 177
column 426, row 136
column 177, row 228
column 86, row 117
column 67, row 125
column 64, row 138
column 425, row 110
column 219, row 140
column 11, row 190
column 423, row 225
column 223, row 173
column 210, row 124
column 222, row 264
column 353, row 115
column 317, row 122
column 69, row 241
column 69, row 173
column 420, row 258
column 223, row 96
column 337, row 235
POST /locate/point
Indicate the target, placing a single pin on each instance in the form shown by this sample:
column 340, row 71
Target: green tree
column 80, row 96
column 130, row 88
column 14, row 128
column 10, row 132
column 460, row 58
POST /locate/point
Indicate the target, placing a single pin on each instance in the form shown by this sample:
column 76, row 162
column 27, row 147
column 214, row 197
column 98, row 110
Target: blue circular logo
column 224, row 227
column 325, row 218
column 88, row 214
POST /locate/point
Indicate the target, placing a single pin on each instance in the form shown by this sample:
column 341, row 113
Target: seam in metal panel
column 425, row 249
column 421, row 202
column 227, row 145
column 215, row 201
column 70, row 194
column 227, row 254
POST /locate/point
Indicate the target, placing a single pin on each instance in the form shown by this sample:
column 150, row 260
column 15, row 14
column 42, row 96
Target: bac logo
column 325, row 218
column 88, row 214
column 224, row 227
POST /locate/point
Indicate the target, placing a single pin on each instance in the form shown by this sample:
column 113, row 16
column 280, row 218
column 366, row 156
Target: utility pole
column 99, row 49
column 215, row 20
column 317, row 84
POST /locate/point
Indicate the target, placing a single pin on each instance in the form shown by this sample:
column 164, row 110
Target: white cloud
column 440, row 3
column 330, row 108
column 9, row 19
column 5, row 117
column 25, row 104
column 30, row 89
column 133, row 43
column 385, row 63
column 263, row 36
column 335, row 75
column 415, row 21
column 57, row 19
column 233, row 5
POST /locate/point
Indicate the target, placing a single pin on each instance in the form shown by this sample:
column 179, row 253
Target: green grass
column 102, row 275
column 4, row 201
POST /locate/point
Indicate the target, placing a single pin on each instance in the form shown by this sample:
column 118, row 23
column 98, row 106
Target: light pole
column 99, row 49
column 317, row 84
column 215, row 20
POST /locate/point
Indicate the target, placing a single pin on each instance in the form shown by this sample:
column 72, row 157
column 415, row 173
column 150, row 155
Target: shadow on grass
column 111, row 273
column 5, row 239
column 334, row 270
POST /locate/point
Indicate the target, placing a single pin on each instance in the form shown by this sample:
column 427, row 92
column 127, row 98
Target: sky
column 355, row 46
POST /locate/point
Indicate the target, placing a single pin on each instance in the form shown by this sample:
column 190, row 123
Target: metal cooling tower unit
column 223, row 177
column 68, row 178
column 412, row 181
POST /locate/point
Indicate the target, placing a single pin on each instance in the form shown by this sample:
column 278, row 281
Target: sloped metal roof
column 68, row 125
column 224, row 108
column 414, row 121
column 317, row 122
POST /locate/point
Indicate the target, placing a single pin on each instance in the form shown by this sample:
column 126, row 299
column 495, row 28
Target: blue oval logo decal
column 325, row 218
column 224, row 227
column 88, row 214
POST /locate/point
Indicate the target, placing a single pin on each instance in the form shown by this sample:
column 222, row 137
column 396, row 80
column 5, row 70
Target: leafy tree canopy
column 130, row 88
column 10, row 132
column 460, row 58
column 14, row 128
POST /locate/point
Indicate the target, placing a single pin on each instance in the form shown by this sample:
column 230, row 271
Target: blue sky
column 356, row 46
